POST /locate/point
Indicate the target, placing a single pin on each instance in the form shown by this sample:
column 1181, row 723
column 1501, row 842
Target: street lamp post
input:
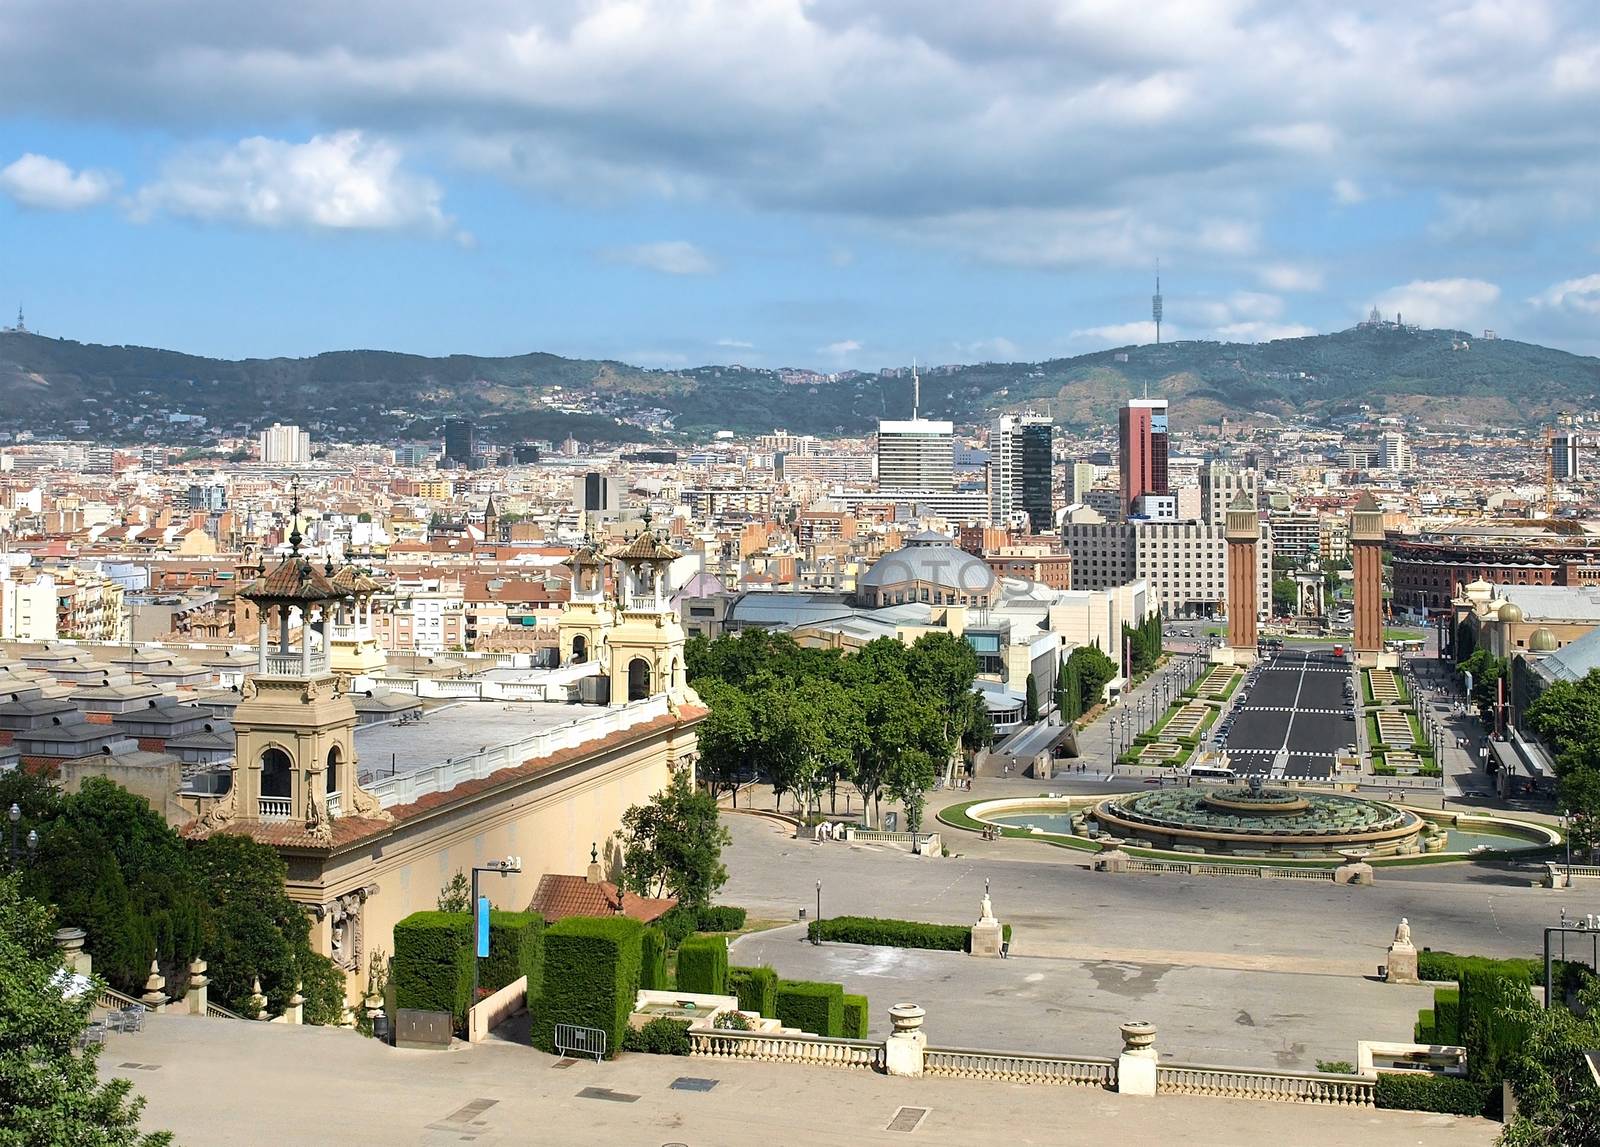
column 818, row 933
column 13, row 816
column 480, row 940
column 1566, row 836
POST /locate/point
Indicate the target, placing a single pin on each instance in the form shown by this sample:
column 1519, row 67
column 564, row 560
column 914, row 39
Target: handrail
column 116, row 1001
column 218, row 1012
column 1323, row 1087
column 1021, row 1067
column 826, row 1051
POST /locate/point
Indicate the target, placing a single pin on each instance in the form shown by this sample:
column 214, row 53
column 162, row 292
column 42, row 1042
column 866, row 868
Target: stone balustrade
column 1020, row 1067
column 822, row 1051
column 1259, row 1083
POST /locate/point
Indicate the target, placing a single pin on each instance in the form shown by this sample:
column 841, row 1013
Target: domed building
column 929, row 569
column 1511, row 619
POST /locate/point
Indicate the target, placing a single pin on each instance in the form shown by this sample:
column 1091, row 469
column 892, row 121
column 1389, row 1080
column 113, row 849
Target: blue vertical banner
column 483, row 926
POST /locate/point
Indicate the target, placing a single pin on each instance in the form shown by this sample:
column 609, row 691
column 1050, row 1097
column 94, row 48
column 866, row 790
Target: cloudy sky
column 825, row 183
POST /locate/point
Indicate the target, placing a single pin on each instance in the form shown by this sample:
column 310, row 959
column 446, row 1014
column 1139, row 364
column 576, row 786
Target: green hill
column 122, row 393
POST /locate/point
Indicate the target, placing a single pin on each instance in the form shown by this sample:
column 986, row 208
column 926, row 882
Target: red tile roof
column 559, row 896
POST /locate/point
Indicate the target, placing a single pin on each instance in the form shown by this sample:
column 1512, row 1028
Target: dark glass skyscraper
column 459, row 440
column 1038, row 473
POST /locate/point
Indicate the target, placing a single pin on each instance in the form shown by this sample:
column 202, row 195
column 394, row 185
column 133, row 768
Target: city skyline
column 819, row 186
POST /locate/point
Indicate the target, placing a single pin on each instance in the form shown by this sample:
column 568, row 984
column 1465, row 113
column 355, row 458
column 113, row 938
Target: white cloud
column 1452, row 303
column 341, row 181
column 669, row 257
column 50, row 185
column 841, row 348
column 1582, row 295
column 1288, row 277
column 1260, row 332
column 736, row 344
column 1347, row 192
column 1123, row 334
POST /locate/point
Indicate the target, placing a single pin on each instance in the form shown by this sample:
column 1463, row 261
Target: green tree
column 1557, row 1101
column 456, row 896
column 49, row 1091
column 1031, row 699
column 910, row 777
column 253, row 928
column 1285, row 595
column 728, row 737
column 673, row 845
column 1094, row 671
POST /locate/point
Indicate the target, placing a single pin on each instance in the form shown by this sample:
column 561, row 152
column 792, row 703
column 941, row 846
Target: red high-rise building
column 1142, row 429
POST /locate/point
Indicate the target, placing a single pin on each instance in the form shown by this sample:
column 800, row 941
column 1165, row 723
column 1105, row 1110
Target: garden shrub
column 1492, row 1001
column 653, row 961
column 516, row 948
column 810, row 1006
column 703, row 965
column 757, row 989
column 1423, row 1091
column 661, row 1036
column 719, row 918
column 677, row 924
column 432, row 968
column 855, row 1017
column 1425, row 1031
column 1447, row 1015
column 591, row 977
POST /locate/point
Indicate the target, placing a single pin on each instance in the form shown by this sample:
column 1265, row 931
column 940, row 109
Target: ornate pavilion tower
column 1243, row 534
column 347, row 633
column 294, row 757
column 588, row 617
column 645, row 649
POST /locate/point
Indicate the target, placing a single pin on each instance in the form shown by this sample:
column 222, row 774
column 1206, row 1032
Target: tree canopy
column 673, row 845
column 49, row 1091
column 885, row 719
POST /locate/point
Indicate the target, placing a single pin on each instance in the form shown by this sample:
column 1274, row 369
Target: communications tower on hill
column 1155, row 303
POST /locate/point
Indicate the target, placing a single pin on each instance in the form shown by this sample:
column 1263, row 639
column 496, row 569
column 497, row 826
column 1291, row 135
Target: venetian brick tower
column 1366, row 560
column 1243, row 533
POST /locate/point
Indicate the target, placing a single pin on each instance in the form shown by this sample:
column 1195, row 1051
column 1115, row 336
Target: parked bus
column 1211, row 772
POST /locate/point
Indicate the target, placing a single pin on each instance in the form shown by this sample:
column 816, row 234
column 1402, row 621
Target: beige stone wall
column 550, row 824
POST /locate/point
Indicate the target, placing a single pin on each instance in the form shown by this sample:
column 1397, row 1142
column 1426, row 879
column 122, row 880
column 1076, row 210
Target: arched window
column 334, row 758
column 275, row 773
column 638, row 679
column 580, row 649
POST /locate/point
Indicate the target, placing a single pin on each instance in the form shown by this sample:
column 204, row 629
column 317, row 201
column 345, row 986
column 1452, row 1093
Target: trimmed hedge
column 516, row 948
column 1425, row 1030
column 703, row 965
column 1433, row 965
column 1447, row 1015
column 591, row 977
column 661, row 1036
column 811, row 1007
column 855, row 1017
column 1423, row 1091
column 432, row 965
column 896, row 933
column 677, row 924
column 757, row 989
column 719, row 918
column 653, row 961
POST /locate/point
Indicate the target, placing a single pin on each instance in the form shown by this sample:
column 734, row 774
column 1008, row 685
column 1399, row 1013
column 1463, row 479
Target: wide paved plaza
column 235, row 1084
column 1294, row 717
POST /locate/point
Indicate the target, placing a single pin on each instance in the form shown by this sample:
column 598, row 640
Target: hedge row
column 856, row 1016
column 703, row 965
column 680, row 922
column 1433, row 965
column 434, row 952
column 1423, row 1091
column 661, row 1036
column 591, row 977
column 895, row 933
column 811, row 1007
column 757, row 989
column 653, row 961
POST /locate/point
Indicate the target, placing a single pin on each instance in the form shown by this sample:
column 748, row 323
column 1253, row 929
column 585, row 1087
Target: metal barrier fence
column 574, row 1040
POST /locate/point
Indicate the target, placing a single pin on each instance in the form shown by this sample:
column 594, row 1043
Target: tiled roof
column 350, row 580
column 296, row 579
column 647, row 548
column 559, row 896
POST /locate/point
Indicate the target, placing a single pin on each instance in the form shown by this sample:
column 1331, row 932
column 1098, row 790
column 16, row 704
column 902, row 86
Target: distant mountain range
column 126, row 393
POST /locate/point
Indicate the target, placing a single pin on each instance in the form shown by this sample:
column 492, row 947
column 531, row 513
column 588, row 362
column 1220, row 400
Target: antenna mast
column 1155, row 303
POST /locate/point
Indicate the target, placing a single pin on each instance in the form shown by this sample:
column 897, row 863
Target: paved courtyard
column 1283, row 1020
column 229, row 1083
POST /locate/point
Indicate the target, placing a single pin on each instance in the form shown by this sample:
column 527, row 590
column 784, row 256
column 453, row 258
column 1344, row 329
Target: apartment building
column 1183, row 563
column 27, row 605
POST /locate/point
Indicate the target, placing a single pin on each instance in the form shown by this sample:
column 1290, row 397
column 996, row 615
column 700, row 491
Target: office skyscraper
column 1021, row 472
column 460, row 439
column 1564, row 455
column 1142, row 433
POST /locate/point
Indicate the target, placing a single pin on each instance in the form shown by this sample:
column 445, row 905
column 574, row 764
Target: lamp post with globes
column 14, row 852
